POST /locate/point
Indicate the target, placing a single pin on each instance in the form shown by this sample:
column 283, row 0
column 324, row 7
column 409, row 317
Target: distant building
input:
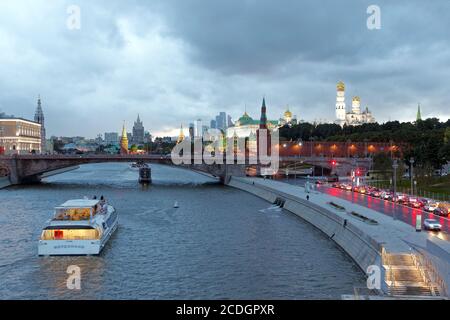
column 147, row 137
column 198, row 128
column 356, row 116
column 111, row 138
column 229, row 121
column 138, row 132
column 20, row 136
column 213, row 124
column 221, row 121
column 39, row 118
column 191, row 131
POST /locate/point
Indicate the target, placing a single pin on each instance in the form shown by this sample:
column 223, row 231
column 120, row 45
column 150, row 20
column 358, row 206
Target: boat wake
column 271, row 209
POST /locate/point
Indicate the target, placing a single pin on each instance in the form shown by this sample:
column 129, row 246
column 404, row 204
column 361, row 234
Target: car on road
column 386, row 196
column 430, row 206
column 402, row 198
column 432, row 225
column 440, row 212
column 415, row 202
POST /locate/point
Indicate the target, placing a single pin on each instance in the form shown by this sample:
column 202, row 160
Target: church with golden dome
column 356, row 116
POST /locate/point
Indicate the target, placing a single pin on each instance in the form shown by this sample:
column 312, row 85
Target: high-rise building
column 138, row 132
column 124, row 141
column 229, row 121
column 221, row 121
column 111, row 138
column 213, row 124
column 199, row 128
column 39, row 118
column 191, row 131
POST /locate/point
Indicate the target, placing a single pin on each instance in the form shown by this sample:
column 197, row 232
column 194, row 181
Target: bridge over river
column 31, row 168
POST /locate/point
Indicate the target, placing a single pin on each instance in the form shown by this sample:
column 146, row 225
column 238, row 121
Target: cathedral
column 356, row 116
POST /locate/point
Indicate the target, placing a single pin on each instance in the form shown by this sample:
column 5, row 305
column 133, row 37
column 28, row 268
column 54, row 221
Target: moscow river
column 221, row 243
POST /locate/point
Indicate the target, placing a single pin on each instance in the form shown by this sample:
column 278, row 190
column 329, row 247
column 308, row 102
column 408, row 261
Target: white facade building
column 355, row 116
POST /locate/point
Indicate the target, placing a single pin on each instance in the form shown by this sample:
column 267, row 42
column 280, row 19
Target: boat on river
column 136, row 166
column 78, row 227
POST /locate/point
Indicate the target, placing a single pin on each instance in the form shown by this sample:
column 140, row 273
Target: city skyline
column 142, row 59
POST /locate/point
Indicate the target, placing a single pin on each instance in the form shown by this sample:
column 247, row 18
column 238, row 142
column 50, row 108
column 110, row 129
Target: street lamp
column 395, row 167
column 411, row 173
column 353, row 178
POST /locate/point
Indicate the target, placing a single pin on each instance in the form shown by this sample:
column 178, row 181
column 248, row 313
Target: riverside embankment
column 370, row 238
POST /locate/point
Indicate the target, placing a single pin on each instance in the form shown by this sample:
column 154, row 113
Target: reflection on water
column 220, row 242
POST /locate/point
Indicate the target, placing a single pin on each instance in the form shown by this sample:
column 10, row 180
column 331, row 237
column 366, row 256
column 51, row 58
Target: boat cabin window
column 73, row 214
column 70, row 234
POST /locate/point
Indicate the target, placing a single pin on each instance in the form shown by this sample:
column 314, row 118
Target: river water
column 221, row 243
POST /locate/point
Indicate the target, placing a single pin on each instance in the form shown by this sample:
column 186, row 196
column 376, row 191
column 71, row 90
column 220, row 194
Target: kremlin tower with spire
column 263, row 133
column 124, row 141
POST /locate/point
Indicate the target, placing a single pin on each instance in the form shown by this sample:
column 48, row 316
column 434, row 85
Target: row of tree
column 428, row 141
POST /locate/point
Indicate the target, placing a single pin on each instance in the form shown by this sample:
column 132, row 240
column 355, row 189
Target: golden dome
column 287, row 114
column 357, row 99
column 340, row 86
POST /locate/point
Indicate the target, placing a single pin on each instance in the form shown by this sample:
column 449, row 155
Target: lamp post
column 395, row 167
column 353, row 178
column 411, row 173
column 300, row 146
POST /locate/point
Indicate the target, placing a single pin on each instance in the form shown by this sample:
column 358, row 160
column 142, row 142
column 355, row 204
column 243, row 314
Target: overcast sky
column 174, row 61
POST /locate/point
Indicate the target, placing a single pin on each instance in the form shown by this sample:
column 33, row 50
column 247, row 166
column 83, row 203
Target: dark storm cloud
column 174, row 61
column 256, row 35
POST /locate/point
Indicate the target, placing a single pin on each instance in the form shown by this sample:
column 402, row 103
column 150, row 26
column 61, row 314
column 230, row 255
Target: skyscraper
column 229, row 121
column 138, row 132
column 111, row 138
column 39, row 118
column 191, row 131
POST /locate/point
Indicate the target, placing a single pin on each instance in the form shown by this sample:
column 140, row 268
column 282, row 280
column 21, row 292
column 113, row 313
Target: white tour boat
column 78, row 227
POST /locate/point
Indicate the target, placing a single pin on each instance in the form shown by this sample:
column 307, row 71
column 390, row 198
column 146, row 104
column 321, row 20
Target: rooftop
column 80, row 203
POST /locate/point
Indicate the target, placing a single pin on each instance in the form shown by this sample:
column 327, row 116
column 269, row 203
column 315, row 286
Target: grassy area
column 433, row 187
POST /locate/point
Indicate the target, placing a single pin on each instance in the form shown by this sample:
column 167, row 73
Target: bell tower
column 340, row 103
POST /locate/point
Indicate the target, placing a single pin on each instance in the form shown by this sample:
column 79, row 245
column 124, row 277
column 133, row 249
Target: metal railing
column 387, row 261
column 432, row 276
